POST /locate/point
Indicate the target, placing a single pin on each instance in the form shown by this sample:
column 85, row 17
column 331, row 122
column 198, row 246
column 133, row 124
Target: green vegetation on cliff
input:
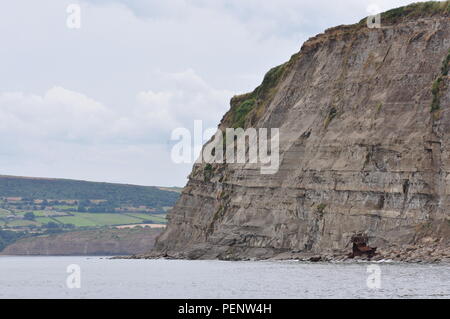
column 414, row 11
column 243, row 105
column 417, row 10
column 438, row 84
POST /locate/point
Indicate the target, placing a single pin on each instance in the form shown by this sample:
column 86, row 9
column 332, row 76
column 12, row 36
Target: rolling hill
column 63, row 189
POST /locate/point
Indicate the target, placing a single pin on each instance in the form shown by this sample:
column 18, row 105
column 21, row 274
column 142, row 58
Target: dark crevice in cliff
column 314, row 227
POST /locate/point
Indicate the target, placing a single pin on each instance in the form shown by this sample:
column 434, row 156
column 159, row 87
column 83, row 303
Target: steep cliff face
column 364, row 147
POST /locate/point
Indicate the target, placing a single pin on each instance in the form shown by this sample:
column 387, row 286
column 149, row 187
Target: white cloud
column 58, row 114
column 62, row 114
column 191, row 98
column 68, row 133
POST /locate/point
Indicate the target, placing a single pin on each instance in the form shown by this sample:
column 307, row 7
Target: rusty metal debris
column 360, row 247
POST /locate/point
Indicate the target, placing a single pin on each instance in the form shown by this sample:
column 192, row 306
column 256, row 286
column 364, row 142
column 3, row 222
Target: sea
column 103, row 277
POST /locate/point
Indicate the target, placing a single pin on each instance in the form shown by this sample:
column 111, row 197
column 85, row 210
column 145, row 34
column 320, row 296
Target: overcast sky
column 99, row 103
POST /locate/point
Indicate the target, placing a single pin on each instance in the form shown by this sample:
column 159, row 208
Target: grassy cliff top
column 414, row 11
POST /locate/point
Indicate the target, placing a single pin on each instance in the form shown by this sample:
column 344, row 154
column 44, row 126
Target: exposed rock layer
column 103, row 242
column 361, row 152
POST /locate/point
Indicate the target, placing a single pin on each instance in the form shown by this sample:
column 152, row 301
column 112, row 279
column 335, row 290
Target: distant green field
column 112, row 219
column 82, row 219
column 44, row 220
column 22, row 223
column 46, row 213
column 4, row 213
column 153, row 218
column 65, row 207
column 91, row 219
column 76, row 220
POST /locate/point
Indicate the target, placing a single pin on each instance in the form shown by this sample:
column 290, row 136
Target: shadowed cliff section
column 363, row 149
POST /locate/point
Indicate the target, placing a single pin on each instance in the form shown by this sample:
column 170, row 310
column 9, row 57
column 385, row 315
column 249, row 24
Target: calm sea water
column 45, row 277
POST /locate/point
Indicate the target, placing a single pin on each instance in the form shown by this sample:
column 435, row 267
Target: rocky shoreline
column 427, row 253
column 407, row 254
column 431, row 245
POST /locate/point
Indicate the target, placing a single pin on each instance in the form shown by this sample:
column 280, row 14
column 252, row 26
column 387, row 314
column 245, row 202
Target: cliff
column 364, row 148
column 99, row 242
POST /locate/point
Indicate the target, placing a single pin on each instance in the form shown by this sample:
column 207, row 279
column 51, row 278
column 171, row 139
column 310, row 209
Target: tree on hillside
column 29, row 216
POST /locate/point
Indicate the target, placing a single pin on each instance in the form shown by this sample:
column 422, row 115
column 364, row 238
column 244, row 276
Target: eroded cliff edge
column 364, row 140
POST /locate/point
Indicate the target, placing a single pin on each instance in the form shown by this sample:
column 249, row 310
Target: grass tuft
column 331, row 115
column 438, row 83
column 208, row 172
